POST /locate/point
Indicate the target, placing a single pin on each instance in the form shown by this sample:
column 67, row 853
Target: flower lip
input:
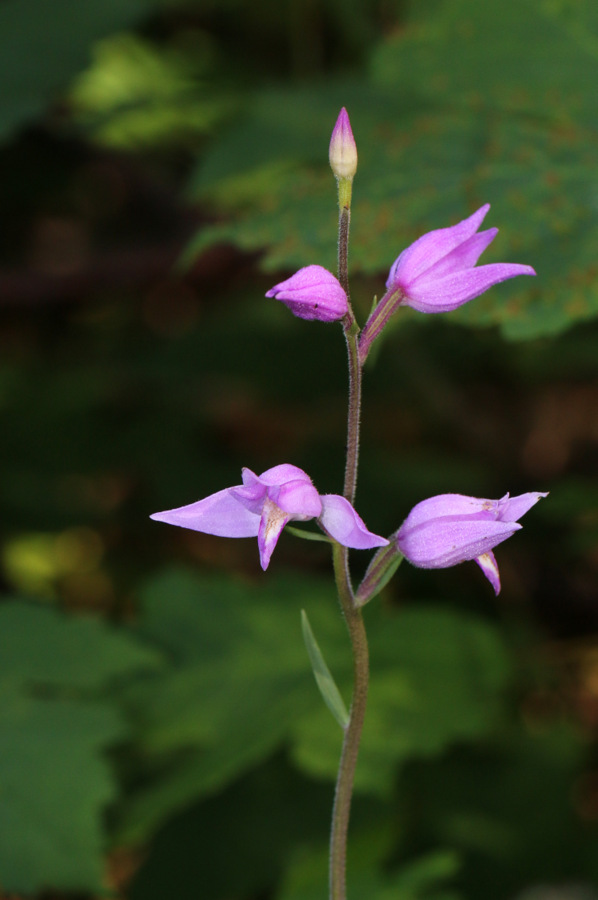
column 312, row 293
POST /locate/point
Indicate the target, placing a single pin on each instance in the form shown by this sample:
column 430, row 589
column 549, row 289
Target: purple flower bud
column 437, row 274
column 312, row 293
column 264, row 504
column 450, row 528
column 343, row 150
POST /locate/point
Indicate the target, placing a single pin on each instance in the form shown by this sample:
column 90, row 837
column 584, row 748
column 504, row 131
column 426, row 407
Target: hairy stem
column 344, row 223
column 353, row 417
column 351, row 331
column 348, row 760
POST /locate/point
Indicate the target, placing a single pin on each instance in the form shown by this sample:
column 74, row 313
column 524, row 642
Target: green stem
column 344, row 223
column 351, row 331
column 353, row 417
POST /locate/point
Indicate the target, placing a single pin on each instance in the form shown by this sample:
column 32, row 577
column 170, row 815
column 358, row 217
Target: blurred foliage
column 56, row 723
column 495, row 825
column 136, row 94
column 46, row 43
column 239, row 647
column 424, row 877
column 162, row 734
column 443, row 124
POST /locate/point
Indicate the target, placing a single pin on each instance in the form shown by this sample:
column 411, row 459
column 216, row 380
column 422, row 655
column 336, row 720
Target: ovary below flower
column 264, row 504
column 450, row 528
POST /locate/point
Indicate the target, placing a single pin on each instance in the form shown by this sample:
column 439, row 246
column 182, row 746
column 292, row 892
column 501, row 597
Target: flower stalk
column 350, row 751
column 351, row 331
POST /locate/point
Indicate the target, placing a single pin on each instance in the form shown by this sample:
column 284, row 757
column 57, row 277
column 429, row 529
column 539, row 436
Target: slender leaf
column 326, row 683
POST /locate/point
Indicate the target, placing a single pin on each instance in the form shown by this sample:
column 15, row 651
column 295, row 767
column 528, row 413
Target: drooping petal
column 489, row 567
column 341, row 522
column 271, row 525
column 219, row 514
column 431, row 247
column 445, row 294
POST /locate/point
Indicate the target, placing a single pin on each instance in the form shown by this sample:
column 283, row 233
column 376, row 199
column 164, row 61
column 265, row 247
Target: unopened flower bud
column 312, row 293
column 343, row 150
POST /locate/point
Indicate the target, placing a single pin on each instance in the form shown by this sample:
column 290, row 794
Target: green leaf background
column 46, row 44
column 57, row 724
column 242, row 686
column 469, row 103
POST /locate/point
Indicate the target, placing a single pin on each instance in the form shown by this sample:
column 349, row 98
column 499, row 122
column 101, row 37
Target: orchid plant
column 435, row 274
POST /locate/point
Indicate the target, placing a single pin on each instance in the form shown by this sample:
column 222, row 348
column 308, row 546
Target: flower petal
column 282, row 473
column 445, row 294
column 427, row 250
column 291, row 489
column 298, row 499
column 451, row 540
column 464, row 256
column 342, row 523
column 512, row 508
column 219, row 514
column 451, row 505
column 489, row 567
column 252, row 493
